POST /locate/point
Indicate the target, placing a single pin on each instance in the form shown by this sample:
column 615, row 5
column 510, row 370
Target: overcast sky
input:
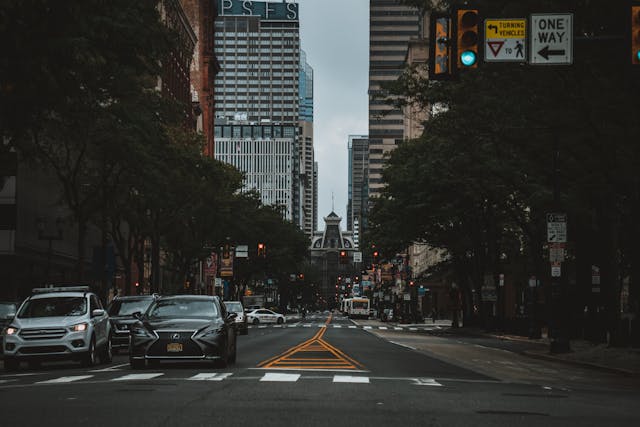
column 335, row 36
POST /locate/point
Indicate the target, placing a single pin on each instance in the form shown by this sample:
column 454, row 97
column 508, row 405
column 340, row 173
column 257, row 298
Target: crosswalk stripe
column 65, row 379
column 350, row 379
column 426, row 381
column 384, row 328
column 216, row 376
column 352, row 326
column 413, row 329
column 397, row 328
column 132, row 377
column 271, row 376
column 367, row 327
column 337, row 326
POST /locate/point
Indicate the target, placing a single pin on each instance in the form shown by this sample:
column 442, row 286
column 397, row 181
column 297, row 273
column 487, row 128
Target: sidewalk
column 623, row 361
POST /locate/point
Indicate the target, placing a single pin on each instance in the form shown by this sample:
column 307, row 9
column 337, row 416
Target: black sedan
column 183, row 327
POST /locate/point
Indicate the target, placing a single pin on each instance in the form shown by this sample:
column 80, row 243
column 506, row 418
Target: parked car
column 241, row 317
column 58, row 323
column 263, row 315
column 121, row 314
column 183, row 327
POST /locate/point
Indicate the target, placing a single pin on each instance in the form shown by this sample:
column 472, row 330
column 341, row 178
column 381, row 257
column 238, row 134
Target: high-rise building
column 357, row 182
column 265, row 87
column 391, row 26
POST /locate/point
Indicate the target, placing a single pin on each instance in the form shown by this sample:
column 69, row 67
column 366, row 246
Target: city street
column 328, row 370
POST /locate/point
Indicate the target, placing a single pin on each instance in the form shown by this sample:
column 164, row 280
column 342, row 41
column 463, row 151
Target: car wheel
column 280, row 321
column 256, row 321
column 90, row 357
column 136, row 363
column 11, row 364
column 107, row 352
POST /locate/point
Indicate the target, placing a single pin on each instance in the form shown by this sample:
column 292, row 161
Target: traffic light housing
column 635, row 34
column 343, row 257
column 375, row 257
column 262, row 250
column 467, row 38
column 440, row 57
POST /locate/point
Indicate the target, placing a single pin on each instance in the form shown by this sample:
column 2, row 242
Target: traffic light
column 343, row 257
column 635, row 34
column 467, row 38
column 226, row 251
column 262, row 250
column 375, row 257
column 440, row 47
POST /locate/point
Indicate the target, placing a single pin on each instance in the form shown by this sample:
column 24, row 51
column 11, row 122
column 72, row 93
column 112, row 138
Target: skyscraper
column 260, row 127
column 357, row 182
column 307, row 156
column 391, row 26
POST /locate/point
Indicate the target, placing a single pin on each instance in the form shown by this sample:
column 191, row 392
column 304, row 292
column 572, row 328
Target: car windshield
column 7, row 310
column 182, row 308
column 129, row 306
column 54, row 307
column 234, row 307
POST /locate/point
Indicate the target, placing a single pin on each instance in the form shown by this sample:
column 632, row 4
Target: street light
column 45, row 233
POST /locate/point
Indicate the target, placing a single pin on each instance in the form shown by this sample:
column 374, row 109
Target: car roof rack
column 47, row 290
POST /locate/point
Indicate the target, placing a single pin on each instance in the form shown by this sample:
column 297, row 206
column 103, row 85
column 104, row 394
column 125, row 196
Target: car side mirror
column 97, row 312
column 231, row 316
column 137, row 315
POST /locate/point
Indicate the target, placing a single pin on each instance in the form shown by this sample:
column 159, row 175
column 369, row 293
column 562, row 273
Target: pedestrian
column 434, row 314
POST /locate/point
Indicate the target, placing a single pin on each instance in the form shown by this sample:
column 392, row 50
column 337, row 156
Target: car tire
column 107, row 352
column 90, row 357
column 256, row 321
column 11, row 364
column 280, row 321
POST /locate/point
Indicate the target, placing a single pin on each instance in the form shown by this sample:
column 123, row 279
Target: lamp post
column 45, row 233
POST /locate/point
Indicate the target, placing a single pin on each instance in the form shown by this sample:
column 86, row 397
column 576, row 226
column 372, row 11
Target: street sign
column 556, row 228
column 551, row 39
column 357, row 257
column 556, row 252
column 242, row 251
column 505, row 40
column 556, row 270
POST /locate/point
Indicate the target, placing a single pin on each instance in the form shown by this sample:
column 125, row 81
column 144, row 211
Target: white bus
column 358, row 307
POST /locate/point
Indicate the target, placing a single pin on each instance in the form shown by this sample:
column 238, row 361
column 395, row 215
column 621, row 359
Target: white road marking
column 322, row 326
column 384, row 328
column 350, row 379
column 367, row 327
column 216, row 376
column 272, row 376
column 110, row 368
column 337, row 326
column 132, row 377
column 293, row 326
column 65, row 379
column 426, row 381
column 307, row 325
column 261, row 327
column 413, row 329
column 352, row 327
column 6, row 381
column 397, row 328
column 402, row 345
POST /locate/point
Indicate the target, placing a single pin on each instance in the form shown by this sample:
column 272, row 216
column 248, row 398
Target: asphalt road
column 327, row 372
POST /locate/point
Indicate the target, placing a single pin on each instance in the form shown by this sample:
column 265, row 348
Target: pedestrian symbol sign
column 505, row 40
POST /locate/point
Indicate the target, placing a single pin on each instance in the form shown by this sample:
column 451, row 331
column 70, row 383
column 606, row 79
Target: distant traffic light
column 467, row 38
column 635, row 34
column 262, row 250
column 375, row 257
column 343, row 257
column 440, row 48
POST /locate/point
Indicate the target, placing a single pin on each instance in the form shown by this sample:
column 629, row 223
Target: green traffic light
column 638, row 55
column 468, row 58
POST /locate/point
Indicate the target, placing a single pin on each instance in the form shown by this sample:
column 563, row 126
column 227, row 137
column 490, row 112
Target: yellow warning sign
column 505, row 29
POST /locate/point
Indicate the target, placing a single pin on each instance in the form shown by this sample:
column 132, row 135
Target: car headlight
column 80, row 327
column 141, row 332
column 11, row 330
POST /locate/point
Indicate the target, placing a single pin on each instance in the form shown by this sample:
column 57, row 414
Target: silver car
column 58, row 323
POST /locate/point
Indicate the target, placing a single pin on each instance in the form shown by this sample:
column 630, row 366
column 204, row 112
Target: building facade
column 266, row 85
column 391, row 26
column 358, row 192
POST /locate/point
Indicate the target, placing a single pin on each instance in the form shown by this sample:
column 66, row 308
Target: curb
column 581, row 363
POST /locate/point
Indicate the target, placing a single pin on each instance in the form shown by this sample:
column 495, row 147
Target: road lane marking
column 337, row 326
column 397, row 328
column 384, row 328
column 66, row 379
column 352, row 326
column 132, row 377
column 427, row 382
column 216, row 376
column 413, row 329
column 278, row 377
column 367, row 327
column 350, row 379
column 110, row 368
column 402, row 345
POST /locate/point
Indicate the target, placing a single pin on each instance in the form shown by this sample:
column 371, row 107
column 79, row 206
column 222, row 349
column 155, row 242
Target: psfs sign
column 505, row 40
column 265, row 10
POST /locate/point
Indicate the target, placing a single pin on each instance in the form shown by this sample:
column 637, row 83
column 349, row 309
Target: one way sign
column 551, row 39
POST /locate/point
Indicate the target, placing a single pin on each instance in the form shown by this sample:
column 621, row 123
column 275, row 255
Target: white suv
column 58, row 323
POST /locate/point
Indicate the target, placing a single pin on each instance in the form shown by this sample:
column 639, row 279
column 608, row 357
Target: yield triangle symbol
column 495, row 47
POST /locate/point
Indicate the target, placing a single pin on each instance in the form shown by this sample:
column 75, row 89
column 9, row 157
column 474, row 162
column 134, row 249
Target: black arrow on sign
column 494, row 27
column 545, row 52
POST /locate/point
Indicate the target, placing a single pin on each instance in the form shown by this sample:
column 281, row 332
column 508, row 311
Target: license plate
column 174, row 347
